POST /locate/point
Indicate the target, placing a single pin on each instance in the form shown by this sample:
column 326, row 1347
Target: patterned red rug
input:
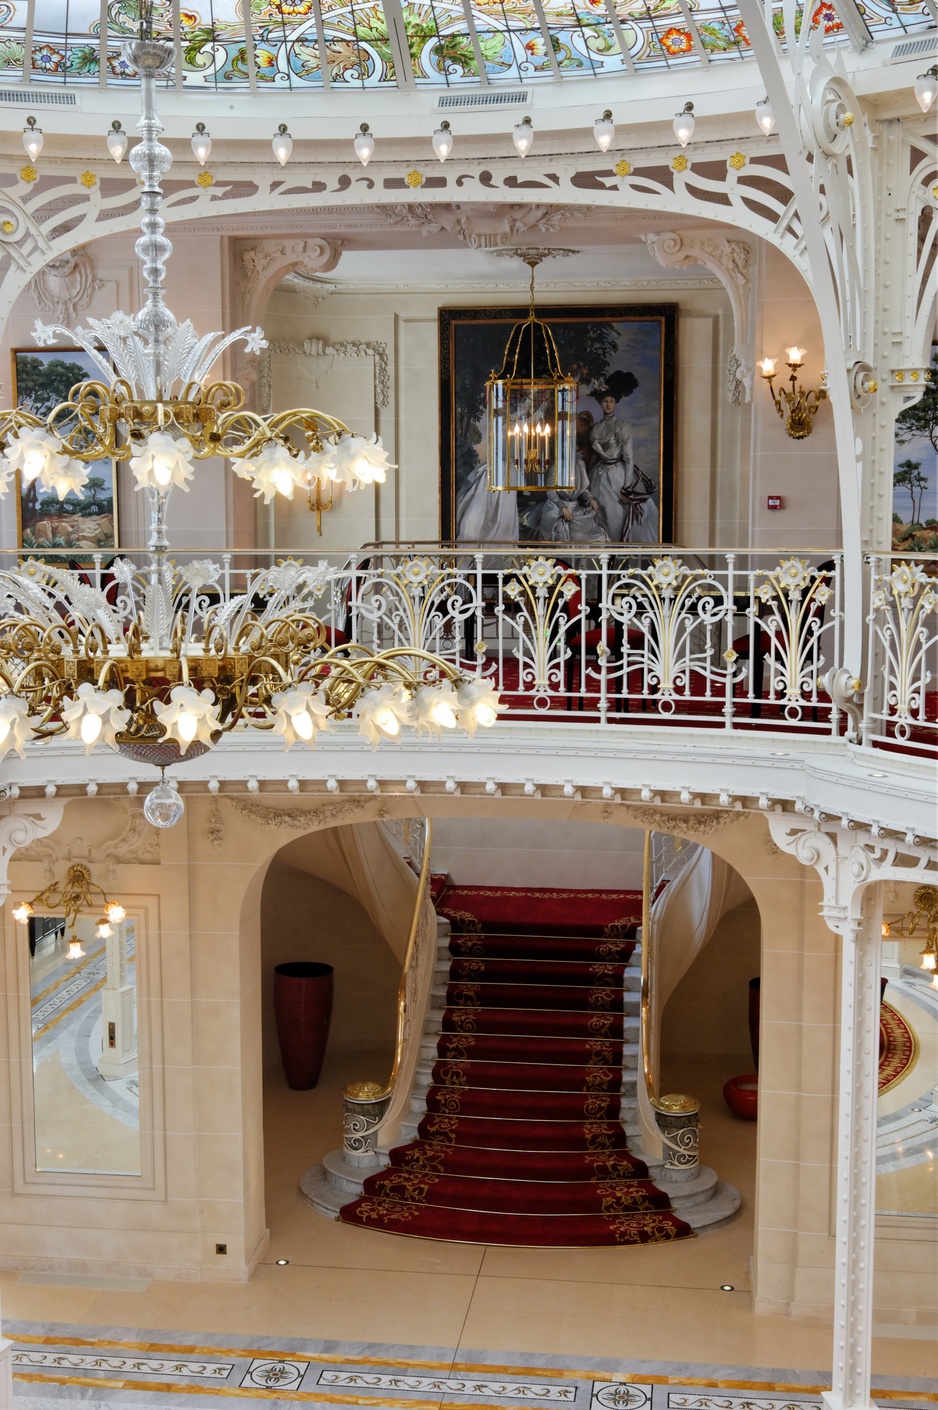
column 898, row 1048
column 522, row 1142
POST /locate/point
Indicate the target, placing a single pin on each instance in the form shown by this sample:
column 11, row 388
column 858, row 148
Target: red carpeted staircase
column 522, row 1140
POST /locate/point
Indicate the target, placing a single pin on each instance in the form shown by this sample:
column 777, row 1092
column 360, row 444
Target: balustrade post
column 363, row 1107
column 678, row 1119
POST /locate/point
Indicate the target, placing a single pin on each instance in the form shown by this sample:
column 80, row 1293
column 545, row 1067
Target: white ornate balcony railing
column 729, row 640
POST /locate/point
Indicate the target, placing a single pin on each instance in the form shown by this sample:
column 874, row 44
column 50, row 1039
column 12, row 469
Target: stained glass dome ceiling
column 270, row 45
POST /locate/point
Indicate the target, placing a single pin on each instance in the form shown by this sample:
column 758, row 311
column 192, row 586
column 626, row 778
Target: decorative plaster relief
column 24, row 825
column 65, row 286
column 318, row 347
column 482, row 227
column 730, row 261
column 136, row 843
column 296, row 819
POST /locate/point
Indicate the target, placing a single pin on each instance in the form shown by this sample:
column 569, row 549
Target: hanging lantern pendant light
column 531, row 410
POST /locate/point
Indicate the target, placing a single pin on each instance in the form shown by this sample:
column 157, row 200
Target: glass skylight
column 364, row 43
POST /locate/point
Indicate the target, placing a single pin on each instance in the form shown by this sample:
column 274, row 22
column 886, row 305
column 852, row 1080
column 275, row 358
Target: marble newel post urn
column 302, row 1008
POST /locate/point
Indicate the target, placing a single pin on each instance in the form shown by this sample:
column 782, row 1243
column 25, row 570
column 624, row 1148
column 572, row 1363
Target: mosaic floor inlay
column 105, row 1368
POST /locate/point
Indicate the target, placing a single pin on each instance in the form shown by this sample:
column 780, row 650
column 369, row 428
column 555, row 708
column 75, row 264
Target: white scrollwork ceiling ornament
column 25, row 823
column 66, row 285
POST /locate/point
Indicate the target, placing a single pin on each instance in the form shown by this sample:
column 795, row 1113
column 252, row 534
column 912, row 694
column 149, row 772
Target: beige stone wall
column 709, row 1009
column 201, row 899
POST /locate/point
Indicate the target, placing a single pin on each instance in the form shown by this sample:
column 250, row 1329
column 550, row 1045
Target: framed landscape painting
column 623, row 359
column 85, row 521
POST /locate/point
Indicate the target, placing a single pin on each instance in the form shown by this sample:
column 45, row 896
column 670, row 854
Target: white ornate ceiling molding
column 25, row 823
column 313, row 348
column 264, row 265
column 731, row 262
column 135, row 843
column 65, row 286
column 481, row 227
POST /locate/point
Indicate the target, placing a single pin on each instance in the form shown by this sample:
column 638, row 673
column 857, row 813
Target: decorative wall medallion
column 66, row 285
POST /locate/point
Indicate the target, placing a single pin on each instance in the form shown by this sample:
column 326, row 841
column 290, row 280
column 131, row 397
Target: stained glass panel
column 358, row 49
column 286, row 43
column 12, row 37
column 441, row 49
column 214, row 52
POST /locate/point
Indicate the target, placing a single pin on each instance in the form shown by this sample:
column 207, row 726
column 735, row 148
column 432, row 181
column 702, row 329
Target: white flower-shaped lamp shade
column 66, row 478
column 767, row 364
column 162, row 462
column 274, row 471
column 75, row 952
column 95, row 716
column 115, row 912
column 436, row 708
column 301, row 714
column 23, row 913
column 795, row 356
column 381, row 711
column 479, row 705
column 34, row 452
column 190, row 716
column 357, row 460
column 15, row 728
column 103, row 931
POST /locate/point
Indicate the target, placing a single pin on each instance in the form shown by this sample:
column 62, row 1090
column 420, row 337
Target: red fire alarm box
column 774, row 501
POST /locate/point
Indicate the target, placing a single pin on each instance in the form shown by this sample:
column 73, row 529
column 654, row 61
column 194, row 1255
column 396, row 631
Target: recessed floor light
column 282, row 1262
column 727, row 1287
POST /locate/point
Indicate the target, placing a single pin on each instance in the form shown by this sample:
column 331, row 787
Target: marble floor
column 436, row 1324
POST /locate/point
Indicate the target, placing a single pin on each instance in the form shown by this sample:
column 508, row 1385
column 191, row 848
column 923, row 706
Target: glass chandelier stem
column 158, row 609
column 151, row 160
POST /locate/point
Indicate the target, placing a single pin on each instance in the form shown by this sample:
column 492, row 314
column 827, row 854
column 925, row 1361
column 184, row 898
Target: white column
column 118, row 1038
column 856, row 1155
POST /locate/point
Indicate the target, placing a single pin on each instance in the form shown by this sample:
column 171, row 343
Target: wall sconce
column 75, row 894
column 317, row 504
column 798, row 407
column 924, row 914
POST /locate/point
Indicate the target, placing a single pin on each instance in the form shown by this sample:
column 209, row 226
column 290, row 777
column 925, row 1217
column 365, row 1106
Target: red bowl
column 741, row 1095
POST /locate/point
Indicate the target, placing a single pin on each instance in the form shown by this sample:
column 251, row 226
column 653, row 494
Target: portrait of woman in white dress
column 623, row 492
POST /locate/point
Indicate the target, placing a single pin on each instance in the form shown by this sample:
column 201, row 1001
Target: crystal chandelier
column 531, row 409
column 158, row 662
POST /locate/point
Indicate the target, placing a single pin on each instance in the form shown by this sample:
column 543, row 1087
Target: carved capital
column 730, row 261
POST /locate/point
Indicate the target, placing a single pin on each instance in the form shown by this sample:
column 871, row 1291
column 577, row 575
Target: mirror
column 84, row 1041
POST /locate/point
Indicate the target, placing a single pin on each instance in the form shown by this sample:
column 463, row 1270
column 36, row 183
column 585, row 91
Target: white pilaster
column 856, row 1154
column 118, row 1039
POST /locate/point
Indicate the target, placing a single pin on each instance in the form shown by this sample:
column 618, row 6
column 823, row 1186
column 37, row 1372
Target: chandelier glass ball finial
column 117, row 141
column 163, row 806
column 282, row 144
column 32, row 139
column 684, row 124
column 201, row 143
column 443, row 141
column 604, row 131
column 523, row 136
column 364, row 144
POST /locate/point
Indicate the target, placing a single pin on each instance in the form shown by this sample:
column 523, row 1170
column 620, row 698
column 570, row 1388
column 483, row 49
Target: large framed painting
column 915, row 472
column 623, row 359
column 85, row 521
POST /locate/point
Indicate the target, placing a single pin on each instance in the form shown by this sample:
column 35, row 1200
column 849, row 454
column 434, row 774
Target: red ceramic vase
column 741, row 1095
column 302, row 1009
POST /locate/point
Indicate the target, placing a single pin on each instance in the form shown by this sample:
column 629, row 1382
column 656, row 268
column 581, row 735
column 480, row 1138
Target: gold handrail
column 646, row 971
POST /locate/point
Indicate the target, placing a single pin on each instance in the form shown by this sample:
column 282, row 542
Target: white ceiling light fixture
column 765, row 117
column 364, row 144
column 604, row 130
column 201, row 143
column 282, row 144
column 926, row 88
column 443, row 141
column 684, row 124
column 32, row 139
column 117, row 141
column 523, row 136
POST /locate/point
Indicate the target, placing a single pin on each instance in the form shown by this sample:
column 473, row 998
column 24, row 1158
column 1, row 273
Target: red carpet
column 898, row 1047
column 522, row 1142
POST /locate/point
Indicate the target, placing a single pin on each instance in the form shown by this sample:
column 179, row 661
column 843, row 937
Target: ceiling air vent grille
column 488, row 99
column 38, row 99
column 914, row 49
